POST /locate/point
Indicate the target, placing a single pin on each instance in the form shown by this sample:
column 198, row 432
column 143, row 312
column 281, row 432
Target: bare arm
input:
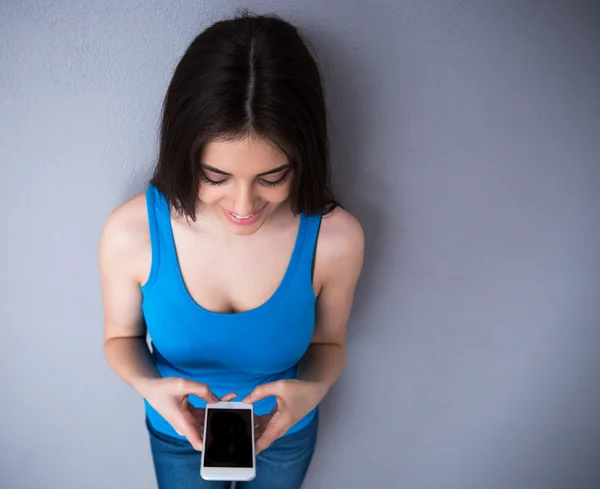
column 124, row 257
column 121, row 250
column 341, row 265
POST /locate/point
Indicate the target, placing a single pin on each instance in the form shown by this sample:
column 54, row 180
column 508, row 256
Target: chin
column 244, row 230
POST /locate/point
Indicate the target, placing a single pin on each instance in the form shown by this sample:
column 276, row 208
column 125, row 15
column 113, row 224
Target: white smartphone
column 228, row 452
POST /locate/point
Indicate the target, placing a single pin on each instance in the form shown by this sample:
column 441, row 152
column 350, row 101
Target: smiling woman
column 236, row 259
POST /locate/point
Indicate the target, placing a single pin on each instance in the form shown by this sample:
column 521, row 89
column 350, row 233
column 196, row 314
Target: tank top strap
column 312, row 225
column 164, row 255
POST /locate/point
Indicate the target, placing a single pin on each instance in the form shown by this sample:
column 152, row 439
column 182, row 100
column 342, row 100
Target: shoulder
column 125, row 239
column 341, row 235
column 127, row 225
column 340, row 246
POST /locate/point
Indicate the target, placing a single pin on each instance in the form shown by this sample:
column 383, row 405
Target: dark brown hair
column 251, row 75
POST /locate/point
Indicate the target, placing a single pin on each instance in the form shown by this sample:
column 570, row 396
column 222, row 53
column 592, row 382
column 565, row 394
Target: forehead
column 248, row 156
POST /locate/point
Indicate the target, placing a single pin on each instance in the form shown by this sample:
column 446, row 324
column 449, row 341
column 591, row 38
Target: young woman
column 235, row 259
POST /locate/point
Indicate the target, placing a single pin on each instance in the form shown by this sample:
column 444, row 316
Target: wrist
column 319, row 391
column 144, row 384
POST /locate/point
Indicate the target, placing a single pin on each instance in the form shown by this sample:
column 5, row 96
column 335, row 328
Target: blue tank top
column 227, row 352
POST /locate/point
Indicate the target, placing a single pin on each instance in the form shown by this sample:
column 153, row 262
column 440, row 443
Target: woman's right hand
column 169, row 396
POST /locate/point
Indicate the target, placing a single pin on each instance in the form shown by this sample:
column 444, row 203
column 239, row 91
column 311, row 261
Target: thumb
column 262, row 391
column 188, row 387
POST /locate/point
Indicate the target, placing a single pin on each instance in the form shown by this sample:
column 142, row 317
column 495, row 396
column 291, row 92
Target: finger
column 186, row 426
column 198, row 414
column 262, row 391
column 275, row 429
column 228, row 397
column 260, row 431
column 264, row 419
column 256, row 424
column 261, row 422
column 187, row 387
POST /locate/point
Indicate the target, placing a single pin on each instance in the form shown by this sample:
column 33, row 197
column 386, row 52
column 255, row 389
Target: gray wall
column 465, row 138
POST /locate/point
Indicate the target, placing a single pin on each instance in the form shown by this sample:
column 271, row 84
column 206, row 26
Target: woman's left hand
column 295, row 399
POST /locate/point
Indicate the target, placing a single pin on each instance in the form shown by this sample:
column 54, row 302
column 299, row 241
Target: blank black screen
column 228, row 438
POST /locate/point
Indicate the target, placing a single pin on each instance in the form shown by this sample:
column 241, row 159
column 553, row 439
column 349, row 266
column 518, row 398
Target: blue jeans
column 281, row 466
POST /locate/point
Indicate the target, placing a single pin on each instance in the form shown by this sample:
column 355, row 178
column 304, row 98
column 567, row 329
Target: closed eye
column 210, row 181
column 274, row 183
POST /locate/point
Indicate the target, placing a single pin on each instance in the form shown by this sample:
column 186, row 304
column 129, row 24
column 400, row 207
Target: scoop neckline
column 289, row 271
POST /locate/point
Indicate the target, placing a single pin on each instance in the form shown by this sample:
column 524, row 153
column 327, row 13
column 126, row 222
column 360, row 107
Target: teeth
column 242, row 217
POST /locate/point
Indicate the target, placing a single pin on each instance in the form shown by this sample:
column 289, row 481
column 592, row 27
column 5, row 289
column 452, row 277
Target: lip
column 255, row 216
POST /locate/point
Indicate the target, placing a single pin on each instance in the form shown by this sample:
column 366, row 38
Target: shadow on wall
column 361, row 184
column 358, row 184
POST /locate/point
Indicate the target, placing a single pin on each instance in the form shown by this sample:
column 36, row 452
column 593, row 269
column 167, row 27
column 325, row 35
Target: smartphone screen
column 228, row 438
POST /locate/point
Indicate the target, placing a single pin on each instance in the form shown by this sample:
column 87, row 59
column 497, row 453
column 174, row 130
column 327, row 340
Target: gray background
column 466, row 140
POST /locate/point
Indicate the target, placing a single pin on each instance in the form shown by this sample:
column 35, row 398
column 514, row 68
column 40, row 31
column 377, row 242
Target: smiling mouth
column 248, row 219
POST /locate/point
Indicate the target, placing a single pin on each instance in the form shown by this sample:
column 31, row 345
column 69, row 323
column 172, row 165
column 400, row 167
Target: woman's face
column 244, row 182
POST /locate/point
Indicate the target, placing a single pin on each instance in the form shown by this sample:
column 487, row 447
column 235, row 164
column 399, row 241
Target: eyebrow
column 221, row 172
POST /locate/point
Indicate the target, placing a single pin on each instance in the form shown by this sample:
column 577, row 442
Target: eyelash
column 205, row 179
column 277, row 183
column 265, row 183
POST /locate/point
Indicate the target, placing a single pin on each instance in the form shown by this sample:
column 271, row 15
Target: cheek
column 277, row 194
column 209, row 194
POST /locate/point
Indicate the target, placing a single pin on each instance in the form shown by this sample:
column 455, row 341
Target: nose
column 243, row 202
